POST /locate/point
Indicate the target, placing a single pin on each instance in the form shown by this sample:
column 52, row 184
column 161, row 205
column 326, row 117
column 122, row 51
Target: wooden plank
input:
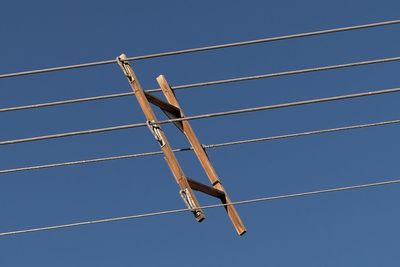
column 163, row 105
column 161, row 138
column 171, row 111
column 197, row 186
column 202, row 156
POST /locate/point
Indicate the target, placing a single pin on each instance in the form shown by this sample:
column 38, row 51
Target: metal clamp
column 124, row 63
column 185, row 195
column 156, row 130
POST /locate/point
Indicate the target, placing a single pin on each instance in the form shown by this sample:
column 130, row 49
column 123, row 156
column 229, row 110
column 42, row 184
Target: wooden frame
column 173, row 110
column 203, row 157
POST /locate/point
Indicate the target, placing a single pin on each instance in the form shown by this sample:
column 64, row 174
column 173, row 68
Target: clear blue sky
column 357, row 228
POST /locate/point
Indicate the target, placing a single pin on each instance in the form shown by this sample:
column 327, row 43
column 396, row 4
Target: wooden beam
column 186, row 191
column 163, row 105
column 171, row 111
column 197, row 186
column 202, row 156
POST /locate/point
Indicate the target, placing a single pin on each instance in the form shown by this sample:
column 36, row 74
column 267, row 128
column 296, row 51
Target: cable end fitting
column 123, row 62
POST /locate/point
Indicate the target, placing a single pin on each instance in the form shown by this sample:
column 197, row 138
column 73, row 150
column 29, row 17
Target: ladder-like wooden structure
column 173, row 110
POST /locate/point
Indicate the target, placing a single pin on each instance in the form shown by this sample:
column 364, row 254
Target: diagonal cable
column 204, row 116
column 208, row 83
column 207, row 48
column 242, row 202
column 232, row 143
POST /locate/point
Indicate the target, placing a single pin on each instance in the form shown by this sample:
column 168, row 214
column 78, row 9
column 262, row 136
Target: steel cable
column 232, row 143
column 159, row 213
column 209, row 83
column 202, row 49
column 203, row 116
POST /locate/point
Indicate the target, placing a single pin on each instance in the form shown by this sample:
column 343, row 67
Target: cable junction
column 204, row 116
column 208, row 83
column 232, row 143
column 159, row 213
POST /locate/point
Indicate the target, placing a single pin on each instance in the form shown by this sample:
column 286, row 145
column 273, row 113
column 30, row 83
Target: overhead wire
column 204, row 116
column 165, row 212
column 217, row 114
column 199, row 117
column 209, row 146
column 75, row 133
column 208, row 83
column 206, row 48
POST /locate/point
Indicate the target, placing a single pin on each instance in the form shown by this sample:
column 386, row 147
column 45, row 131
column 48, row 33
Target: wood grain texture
column 202, row 156
column 166, row 148
column 206, row 189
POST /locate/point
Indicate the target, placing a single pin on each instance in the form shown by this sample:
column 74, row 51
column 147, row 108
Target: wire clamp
column 124, row 64
column 185, row 195
column 156, row 130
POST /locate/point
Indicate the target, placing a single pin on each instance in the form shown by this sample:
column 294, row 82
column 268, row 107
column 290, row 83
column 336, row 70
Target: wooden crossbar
column 197, row 186
column 173, row 110
column 176, row 112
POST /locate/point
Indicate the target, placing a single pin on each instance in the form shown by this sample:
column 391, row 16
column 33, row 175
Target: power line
column 331, row 130
column 284, row 105
column 206, row 48
column 248, row 201
column 233, row 143
column 60, row 135
column 65, row 102
column 159, row 213
column 209, row 83
column 203, row 116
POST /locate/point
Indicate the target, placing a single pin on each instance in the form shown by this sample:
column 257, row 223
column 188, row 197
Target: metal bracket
column 185, row 195
column 124, row 63
column 155, row 129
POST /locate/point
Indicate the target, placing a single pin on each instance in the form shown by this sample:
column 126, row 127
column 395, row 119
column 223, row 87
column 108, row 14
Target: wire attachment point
column 156, row 130
column 124, row 63
column 185, row 195
column 204, row 146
